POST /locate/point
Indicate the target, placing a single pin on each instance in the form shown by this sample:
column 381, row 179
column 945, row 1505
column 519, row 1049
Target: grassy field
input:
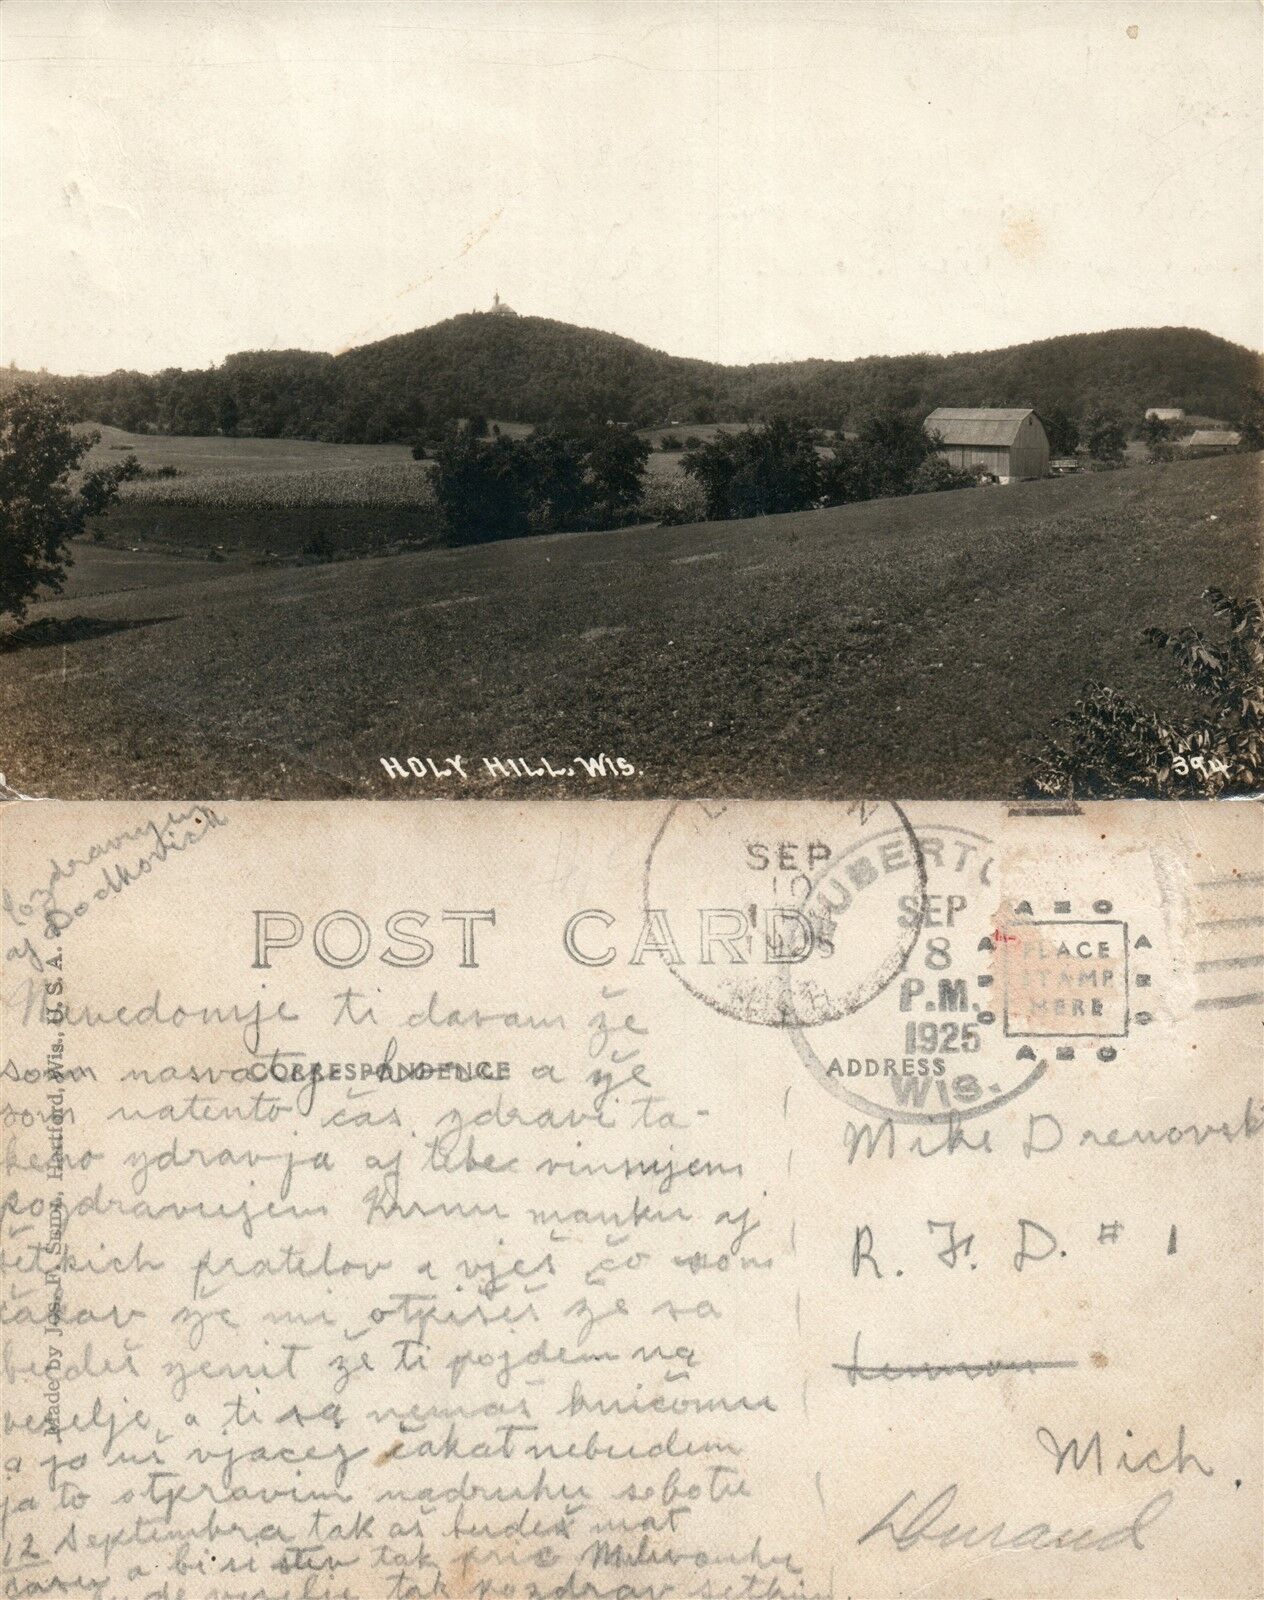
column 280, row 495
column 909, row 647
column 210, row 531
column 215, row 454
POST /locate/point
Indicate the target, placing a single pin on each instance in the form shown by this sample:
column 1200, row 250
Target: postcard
column 772, row 493
column 627, row 399
column 698, row 1201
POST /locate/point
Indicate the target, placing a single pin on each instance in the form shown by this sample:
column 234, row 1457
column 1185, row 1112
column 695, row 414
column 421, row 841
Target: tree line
column 544, row 372
column 489, row 486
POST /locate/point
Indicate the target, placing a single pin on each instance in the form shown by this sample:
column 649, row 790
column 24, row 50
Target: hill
column 536, row 370
column 910, row 647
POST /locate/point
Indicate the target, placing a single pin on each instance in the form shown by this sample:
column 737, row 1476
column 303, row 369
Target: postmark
column 919, row 971
column 757, row 884
column 1017, row 973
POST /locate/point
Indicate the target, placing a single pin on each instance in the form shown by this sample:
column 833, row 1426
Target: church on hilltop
column 500, row 309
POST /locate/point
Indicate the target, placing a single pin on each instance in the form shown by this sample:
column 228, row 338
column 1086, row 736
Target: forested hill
column 531, row 369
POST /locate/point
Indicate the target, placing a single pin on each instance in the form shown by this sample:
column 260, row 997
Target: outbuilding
column 1165, row 414
column 1219, row 439
column 1009, row 442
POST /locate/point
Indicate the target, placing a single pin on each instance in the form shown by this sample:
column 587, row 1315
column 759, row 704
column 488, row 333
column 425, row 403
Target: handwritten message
column 366, row 1234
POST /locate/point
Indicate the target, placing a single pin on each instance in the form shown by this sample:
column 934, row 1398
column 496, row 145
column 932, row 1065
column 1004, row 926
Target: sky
column 182, row 179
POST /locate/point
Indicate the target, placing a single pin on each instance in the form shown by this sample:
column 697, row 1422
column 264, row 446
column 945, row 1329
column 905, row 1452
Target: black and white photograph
column 565, row 399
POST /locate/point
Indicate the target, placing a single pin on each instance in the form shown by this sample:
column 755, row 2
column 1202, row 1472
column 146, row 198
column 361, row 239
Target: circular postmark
column 752, row 894
column 929, row 1050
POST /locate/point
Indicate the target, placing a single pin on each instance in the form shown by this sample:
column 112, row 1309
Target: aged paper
column 631, row 1202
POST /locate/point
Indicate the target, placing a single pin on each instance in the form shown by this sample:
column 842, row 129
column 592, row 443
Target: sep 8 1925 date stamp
column 999, row 990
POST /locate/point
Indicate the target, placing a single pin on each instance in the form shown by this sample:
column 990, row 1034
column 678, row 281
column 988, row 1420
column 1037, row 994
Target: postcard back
column 631, row 1202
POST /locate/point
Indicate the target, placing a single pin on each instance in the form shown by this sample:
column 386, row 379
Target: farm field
column 911, row 647
column 214, row 453
column 240, row 499
column 280, row 495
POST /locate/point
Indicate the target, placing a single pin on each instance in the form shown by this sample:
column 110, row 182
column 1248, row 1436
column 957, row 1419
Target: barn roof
column 977, row 424
column 1213, row 436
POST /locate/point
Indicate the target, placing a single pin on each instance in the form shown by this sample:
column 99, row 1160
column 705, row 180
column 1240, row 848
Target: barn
column 1165, row 414
column 1010, row 443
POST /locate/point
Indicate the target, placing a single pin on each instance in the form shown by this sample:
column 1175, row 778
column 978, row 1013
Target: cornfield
column 394, row 485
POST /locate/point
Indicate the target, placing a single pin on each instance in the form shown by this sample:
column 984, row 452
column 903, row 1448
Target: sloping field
column 195, row 455
column 908, row 647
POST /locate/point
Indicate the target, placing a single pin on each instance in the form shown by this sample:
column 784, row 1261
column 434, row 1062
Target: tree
column 759, row 471
column 615, row 459
column 557, row 478
column 191, row 404
column 896, row 443
column 40, row 510
column 229, row 414
column 1251, row 423
column 552, row 474
column 481, row 486
column 1063, row 431
column 888, row 458
column 1107, row 442
column 530, row 368
column 1158, row 438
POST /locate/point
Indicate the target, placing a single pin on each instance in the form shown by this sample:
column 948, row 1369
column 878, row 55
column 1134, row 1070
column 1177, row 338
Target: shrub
column 1110, row 746
column 672, row 498
column 1106, row 440
column 321, row 546
column 934, row 473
